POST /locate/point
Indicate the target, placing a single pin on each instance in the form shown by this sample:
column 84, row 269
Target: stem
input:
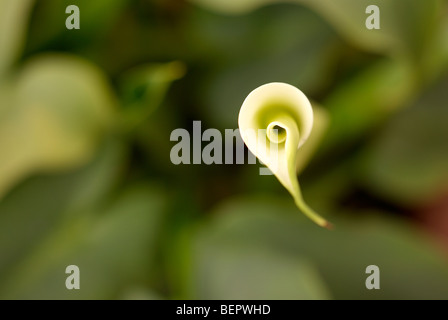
column 310, row 213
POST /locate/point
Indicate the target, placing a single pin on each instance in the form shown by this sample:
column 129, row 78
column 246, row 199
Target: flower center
column 276, row 132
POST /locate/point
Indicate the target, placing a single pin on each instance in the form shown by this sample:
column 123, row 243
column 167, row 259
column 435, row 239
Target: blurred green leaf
column 302, row 54
column 139, row 293
column 321, row 123
column 232, row 6
column 439, row 62
column 59, row 108
column 407, row 162
column 407, row 26
column 49, row 29
column 112, row 247
column 221, row 272
column 411, row 266
column 13, row 17
column 37, row 206
column 366, row 100
column 144, row 88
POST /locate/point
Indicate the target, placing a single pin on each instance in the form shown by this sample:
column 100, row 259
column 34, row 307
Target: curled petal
column 275, row 121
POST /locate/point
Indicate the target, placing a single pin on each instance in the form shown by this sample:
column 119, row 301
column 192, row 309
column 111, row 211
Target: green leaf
column 48, row 24
column 13, row 23
column 360, row 104
column 59, row 107
column 407, row 26
column 113, row 247
column 224, row 272
column 407, row 162
column 303, row 54
column 139, row 293
column 411, row 266
column 232, row 6
column 144, row 88
column 37, row 206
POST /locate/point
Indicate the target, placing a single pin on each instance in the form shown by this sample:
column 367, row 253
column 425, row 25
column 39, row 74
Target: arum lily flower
column 275, row 121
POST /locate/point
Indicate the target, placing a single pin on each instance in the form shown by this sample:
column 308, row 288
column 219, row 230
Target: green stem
column 310, row 213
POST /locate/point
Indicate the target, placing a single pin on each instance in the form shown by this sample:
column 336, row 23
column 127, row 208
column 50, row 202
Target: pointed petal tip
column 328, row 225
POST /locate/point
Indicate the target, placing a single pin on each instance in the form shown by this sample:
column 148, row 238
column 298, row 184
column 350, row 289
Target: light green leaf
column 13, row 23
column 58, row 109
column 232, row 6
column 438, row 63
column 275, row 120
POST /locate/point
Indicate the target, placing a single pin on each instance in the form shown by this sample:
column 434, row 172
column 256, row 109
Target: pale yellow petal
column 275, row 121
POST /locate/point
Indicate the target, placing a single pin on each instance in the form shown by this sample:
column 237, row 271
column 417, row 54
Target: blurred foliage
column 392, row 160
column 227, row 261
column 54, row 112
column 86, row 178
column 12, row 32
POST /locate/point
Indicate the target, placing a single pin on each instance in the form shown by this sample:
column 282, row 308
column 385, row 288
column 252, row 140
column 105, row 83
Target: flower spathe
column 284, row 117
